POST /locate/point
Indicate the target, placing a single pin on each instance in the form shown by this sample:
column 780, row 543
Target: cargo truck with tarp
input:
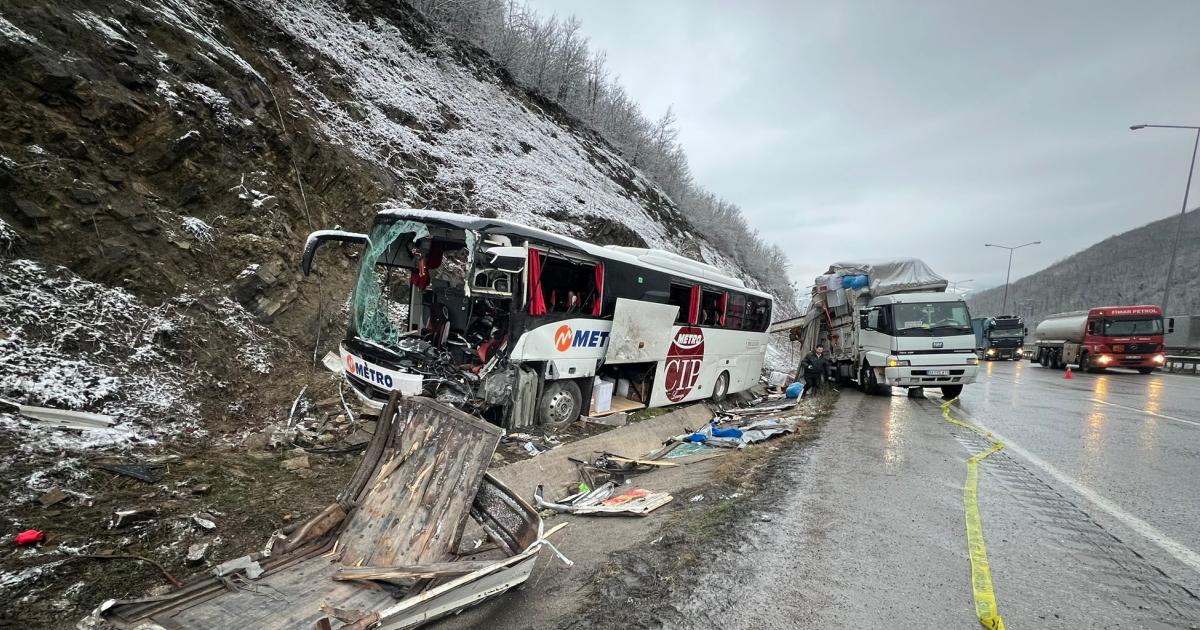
column 891, row 323
column 1100, row 338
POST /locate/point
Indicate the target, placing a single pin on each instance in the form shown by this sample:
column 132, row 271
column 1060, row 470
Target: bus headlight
column 895, row 362
column 1160, row 359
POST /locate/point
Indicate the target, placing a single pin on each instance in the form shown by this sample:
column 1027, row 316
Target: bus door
column 641, row 332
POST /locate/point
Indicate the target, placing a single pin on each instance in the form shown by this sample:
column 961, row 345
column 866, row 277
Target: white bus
column 517, row 324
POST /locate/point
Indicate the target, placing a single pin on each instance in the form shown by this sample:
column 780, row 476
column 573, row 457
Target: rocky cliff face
column 162, row 161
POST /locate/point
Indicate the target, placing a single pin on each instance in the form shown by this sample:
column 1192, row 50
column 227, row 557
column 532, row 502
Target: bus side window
column 734, row 311
column 758, row 314
column 710, row 307
column 681, row 296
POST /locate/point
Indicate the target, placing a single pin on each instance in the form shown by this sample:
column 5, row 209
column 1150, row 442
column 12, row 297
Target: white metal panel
column 641, row 331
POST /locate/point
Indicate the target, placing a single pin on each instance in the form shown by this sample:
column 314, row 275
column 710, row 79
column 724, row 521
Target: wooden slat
column 422, row 571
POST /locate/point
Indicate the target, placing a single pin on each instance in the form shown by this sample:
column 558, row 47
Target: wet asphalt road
column 1091, row 514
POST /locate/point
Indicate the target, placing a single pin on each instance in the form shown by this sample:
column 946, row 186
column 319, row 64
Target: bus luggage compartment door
column 641, row 331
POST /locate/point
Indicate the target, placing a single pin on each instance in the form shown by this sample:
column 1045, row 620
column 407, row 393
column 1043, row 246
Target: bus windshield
column 1131, row 326
column 931, row 319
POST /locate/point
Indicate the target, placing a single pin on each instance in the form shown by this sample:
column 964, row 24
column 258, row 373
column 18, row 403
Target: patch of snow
column 9, row 31
column 191, row 134
column 36, row 149
column 258, row 203
column 73, row 344
column 199, row 230
column 8, row 237
column 216, row 102
column 96, row 23
column 164, row 90
column 186, row 15
column 250, row 270
column 9, row 579
column 405, row 103
column 255, row 351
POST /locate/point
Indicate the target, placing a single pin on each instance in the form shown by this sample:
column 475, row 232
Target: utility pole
column 1182, row 213
column 1007, row 276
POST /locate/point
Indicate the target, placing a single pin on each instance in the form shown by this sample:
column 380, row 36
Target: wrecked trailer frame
column 407, row 505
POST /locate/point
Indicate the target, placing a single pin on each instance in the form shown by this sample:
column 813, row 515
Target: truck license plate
column 939, row 372
column 1132, row 356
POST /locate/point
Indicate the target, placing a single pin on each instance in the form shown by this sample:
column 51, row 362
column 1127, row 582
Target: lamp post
column 1183, row 212
column 1004, row 306
column 954, row 283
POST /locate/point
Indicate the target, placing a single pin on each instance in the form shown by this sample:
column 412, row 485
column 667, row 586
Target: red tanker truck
column 1107, row 337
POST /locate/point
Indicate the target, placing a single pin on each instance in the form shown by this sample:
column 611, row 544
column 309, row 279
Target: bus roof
column 654, row 259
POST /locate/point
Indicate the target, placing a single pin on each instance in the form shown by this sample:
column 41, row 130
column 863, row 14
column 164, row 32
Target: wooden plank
column 422, row 571
column 413, row 510
column 619, row 404
column 647, row 462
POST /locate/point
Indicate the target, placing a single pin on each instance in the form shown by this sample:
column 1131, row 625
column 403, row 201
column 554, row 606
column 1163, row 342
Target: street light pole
column 1182, row 213
column 1007, row 276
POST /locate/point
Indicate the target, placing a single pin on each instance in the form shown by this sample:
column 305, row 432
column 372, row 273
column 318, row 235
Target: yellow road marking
column 981, row 574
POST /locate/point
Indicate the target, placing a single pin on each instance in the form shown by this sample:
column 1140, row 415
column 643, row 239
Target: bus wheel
column 559, row 406
column 720, row 388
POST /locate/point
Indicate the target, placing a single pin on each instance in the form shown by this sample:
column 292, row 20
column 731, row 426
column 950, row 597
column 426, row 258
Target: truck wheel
column 1145, row 370
column 1083, row 363
column 559, row 405
column 721, row 388
column 950, row 392
column 871, row 383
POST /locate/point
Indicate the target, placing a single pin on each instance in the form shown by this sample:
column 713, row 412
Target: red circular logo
column 683, row 363
column 350, row 362
column 562, row 338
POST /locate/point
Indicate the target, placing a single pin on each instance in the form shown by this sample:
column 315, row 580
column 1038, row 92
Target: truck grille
column 1134, row 348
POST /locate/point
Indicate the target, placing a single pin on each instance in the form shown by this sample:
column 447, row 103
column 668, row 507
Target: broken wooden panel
column 413, row 572
column 414, row 509
column 422, row 474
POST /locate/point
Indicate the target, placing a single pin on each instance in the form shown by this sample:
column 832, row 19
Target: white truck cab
column 916, row 340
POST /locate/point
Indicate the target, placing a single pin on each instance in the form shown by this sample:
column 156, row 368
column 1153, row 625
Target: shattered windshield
column 380, row 309
column 932, row 318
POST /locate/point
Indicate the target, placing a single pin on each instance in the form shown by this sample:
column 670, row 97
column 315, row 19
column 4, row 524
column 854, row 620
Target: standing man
column 815, row 367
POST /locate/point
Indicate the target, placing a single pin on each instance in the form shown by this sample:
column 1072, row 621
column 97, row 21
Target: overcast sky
column 875, row 129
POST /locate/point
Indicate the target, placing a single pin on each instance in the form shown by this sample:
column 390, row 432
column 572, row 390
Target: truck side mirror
column 864, row 317
column 320, row 237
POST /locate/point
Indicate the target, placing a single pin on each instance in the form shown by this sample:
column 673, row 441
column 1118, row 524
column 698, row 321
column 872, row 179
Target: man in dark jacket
column 815, row 367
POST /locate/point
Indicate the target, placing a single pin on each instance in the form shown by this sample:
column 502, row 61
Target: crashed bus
column 520, row 325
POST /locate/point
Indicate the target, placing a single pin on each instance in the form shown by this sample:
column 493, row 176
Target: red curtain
column 537, row 303
column 598, row 300
column 434, row 260
column 724, row 306
column 420, row 276
column 694, row 307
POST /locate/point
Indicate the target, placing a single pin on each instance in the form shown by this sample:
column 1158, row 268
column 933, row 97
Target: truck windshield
column 931, row 319
column 1005, row 333
column 1144, row 326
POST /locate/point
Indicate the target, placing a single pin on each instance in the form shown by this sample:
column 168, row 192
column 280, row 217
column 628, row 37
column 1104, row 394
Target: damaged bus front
column 513, row 323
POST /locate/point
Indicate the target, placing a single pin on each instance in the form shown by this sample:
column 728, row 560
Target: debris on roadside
column 204, row 520
column 52, row 496
column 197, row 553
column 62, row 418
column 377, row 540
column 121, row 518
column 606, row 501
column 149, row 473
column 618, row 419
column 29, row 537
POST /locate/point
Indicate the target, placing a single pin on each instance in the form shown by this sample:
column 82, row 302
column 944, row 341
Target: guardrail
column 1179, row 363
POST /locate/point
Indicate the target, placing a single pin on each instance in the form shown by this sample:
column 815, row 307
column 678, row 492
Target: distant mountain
column 1128, row 268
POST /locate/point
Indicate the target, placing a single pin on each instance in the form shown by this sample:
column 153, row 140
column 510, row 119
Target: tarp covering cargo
column 897, row 275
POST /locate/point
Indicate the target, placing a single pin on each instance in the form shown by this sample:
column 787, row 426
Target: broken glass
column 379, row 311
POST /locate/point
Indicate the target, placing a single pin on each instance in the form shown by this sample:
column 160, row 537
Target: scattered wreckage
column 385, row 554
column 524, row 327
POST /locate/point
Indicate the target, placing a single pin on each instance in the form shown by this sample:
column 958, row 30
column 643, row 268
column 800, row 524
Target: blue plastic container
column 794, row 390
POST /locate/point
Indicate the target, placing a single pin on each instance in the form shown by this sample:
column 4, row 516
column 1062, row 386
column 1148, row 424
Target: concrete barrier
column 553, row 470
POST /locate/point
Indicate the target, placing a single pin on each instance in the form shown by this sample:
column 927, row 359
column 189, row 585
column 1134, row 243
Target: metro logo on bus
column 565, row 338
column 367, row 372
column 682, row 370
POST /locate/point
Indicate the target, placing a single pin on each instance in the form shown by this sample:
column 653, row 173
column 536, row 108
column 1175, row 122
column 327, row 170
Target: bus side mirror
column 320, row 237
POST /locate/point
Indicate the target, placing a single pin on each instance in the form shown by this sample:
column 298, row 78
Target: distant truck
column 1107, row 337
column 1000, row 338
column 1182, row 335
column 891, row 324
